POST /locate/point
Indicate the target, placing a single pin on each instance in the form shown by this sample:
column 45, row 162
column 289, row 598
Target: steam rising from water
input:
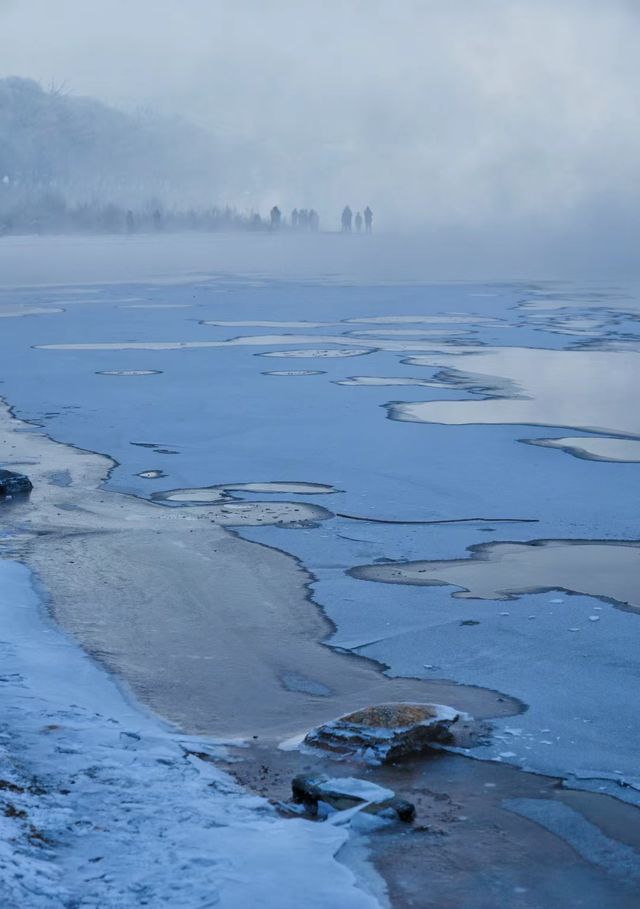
column 490, row 117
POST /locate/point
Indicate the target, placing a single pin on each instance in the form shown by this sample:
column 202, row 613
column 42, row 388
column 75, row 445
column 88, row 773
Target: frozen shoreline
column 106, row 805
column 104, row 801
column 217, row 630
column 74, row 741
column 203, row 626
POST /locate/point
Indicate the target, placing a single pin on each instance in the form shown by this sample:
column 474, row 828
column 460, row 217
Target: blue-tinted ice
column 528, row 364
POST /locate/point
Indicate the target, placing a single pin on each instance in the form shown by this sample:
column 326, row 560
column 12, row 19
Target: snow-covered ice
column 105, row 806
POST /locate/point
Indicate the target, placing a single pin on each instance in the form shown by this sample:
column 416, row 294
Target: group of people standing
column 301, row 218
column 309, row 219
column 305, row 219
column 347, row 218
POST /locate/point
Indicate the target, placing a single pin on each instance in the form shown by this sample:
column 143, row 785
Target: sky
column 508, row 117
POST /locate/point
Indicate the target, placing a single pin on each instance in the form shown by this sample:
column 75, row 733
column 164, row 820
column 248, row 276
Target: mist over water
column 507, row 127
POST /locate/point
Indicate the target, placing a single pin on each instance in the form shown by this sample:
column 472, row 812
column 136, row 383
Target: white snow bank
column 115, row 811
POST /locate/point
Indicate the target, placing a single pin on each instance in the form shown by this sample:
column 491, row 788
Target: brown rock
column 386, row 732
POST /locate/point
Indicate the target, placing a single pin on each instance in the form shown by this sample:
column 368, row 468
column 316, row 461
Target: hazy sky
column 485, row 114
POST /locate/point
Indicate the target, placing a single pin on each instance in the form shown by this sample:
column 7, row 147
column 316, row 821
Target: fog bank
column 513, row 118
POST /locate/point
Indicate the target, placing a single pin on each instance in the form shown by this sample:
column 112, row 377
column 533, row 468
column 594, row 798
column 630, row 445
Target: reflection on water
column 499, row 571
column 595, row 448
column 592, row 390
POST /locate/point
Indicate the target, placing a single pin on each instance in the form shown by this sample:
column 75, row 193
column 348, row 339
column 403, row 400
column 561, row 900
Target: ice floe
column 19, row 311
column 207, row 494
column 129, row 372
column 594, row 448
column 317, row 354
column 295, row 372
column 248, row 323
column 381, row 381
column 444, row 319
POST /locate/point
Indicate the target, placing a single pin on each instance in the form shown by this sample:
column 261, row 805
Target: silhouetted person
column 275, row 216
column 346, row 219
column 358, row 222
column 130, row 223
column 368, row 219
column 294, row 218
column 314, row 219
column 157, row 219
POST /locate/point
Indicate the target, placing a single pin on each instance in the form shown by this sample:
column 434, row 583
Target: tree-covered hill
column 64, row 159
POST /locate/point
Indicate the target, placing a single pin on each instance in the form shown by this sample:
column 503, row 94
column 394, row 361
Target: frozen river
column 470, row 451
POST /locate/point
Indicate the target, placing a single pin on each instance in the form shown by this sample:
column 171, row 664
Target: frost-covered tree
column 58, row 151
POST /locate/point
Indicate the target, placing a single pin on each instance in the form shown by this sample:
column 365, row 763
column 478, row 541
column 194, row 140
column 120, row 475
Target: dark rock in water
column 386, row 732
column 14, row 484
column 344, row 793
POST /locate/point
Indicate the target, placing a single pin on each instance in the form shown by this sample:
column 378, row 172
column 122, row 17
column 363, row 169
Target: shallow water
column 211, row 417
